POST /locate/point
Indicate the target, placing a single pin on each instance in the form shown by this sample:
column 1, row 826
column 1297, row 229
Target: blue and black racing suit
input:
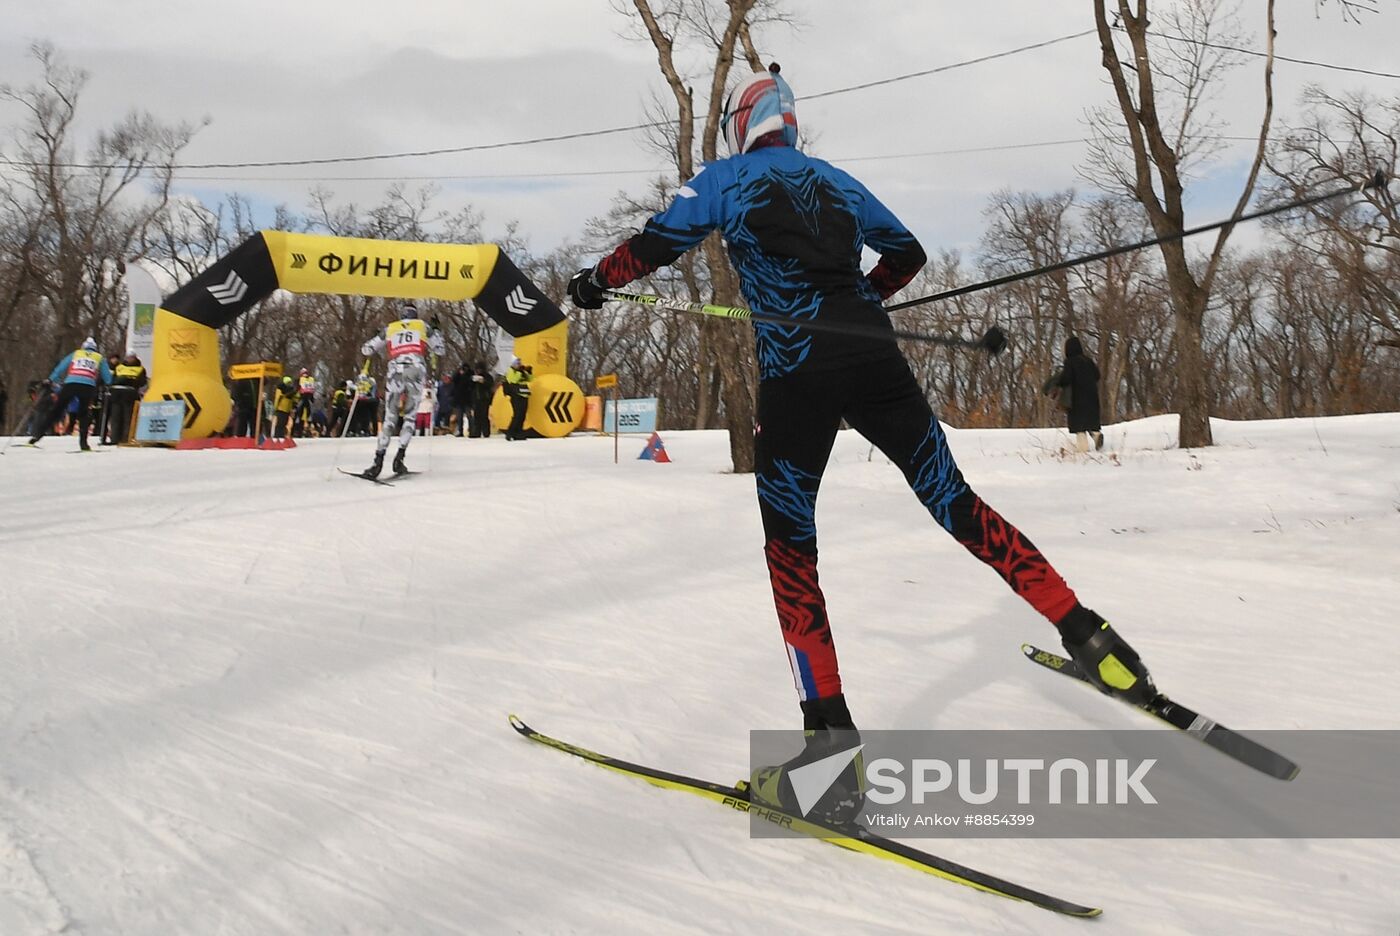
column 795, row 228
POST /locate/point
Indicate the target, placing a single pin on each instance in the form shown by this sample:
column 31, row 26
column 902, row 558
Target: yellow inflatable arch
column 186, row 351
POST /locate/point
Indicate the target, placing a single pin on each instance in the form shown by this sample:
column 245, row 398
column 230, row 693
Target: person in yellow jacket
column 284, row 402
column 306, row 403
column 364, row 408
column 128, row 382
column 517, row 389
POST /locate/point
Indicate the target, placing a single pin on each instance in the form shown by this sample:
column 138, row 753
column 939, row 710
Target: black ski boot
column 399, row 467
column 372, row 471
column 1108, row 660
column 829, row 733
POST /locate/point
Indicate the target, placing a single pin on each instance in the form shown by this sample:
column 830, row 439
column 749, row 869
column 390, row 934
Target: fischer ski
column 1230, row 743
column 364, row 477
column 854, row 838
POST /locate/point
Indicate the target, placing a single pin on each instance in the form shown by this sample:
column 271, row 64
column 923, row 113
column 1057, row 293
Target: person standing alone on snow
column 516, row 387
column 1079, row 377
column 795, row 227
column 406, row 343
column 79, row 373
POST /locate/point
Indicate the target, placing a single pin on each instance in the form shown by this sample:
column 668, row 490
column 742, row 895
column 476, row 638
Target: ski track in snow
column 240, row 697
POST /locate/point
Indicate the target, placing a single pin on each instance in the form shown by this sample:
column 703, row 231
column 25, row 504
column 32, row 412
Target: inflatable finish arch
column 186, row 337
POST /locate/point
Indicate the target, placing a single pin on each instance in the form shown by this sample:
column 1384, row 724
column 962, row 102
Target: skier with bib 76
column 406, row 342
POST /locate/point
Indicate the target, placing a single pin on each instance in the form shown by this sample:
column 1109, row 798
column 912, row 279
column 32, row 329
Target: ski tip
column 1028, row 650
column 517, row 724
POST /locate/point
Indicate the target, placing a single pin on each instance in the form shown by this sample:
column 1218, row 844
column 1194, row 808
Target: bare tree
column 725, row 29
column 1159, row 149
column 1343, row 141
column 1350, row 9
column 80, row 221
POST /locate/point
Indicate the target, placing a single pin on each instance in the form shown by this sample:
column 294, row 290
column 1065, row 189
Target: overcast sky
column 306, row 79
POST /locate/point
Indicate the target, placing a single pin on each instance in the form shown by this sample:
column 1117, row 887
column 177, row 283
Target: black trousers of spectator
column 120, row 402
column 518, row 405
column 362, row 419
column 481, row 419
column 244, row 419
column 301, row 416
column 281, row 424
column 339, row 416
column 84, row 394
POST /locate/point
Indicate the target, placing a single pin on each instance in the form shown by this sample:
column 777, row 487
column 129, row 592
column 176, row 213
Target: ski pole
column 340, row 441
column 1377, row 181
column 22, row 420
column 993, row 341
column 345, row 429
column 431, row 392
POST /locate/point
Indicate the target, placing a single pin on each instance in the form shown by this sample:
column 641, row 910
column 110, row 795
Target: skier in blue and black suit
column 795, row 227
column 78, row 373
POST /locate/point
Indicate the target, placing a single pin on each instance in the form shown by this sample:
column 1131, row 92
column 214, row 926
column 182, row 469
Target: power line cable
column 577, row 135
column 1277, row 57
column 654, row 170
column 944, row 68
column 609, row 131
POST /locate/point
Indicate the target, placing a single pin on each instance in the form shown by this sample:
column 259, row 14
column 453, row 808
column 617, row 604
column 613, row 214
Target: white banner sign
column 505, row 350
column 143, row 298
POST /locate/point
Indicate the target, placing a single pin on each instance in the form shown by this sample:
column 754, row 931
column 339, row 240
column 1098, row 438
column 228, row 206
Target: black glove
column 585, row 292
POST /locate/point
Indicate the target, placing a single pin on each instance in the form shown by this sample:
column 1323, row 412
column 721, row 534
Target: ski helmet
column 90, row 344
column 408, row 310
column 759, row 105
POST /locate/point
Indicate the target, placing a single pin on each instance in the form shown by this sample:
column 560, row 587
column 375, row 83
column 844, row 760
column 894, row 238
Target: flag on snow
column 655, row 450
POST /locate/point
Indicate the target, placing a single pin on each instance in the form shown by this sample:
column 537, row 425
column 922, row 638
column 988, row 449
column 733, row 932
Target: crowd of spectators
column 457, row 403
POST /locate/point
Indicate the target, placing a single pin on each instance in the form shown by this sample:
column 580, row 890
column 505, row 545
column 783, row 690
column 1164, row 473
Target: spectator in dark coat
column 245, row 407
column 483, row 390
column 462, row 388
column 442, row 408
column 128, row 383
column 1079, row 377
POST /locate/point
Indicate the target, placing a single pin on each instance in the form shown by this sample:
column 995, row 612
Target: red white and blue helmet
column 759, row 105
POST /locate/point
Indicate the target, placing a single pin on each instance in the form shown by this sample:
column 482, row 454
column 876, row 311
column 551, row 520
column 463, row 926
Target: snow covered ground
column 242, row 695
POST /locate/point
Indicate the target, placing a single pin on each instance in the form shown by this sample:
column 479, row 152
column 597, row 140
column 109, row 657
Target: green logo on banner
column 145, row 318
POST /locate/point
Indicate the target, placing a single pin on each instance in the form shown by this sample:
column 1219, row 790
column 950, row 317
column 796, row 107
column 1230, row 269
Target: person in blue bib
column 78, row 373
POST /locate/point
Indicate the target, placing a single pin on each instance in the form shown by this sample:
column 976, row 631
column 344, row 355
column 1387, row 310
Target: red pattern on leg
column 988, row 536
column 802, row 613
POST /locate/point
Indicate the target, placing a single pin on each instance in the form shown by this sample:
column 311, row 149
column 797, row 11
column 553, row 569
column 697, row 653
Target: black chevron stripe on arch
column 229, row 288
column 515, row 303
